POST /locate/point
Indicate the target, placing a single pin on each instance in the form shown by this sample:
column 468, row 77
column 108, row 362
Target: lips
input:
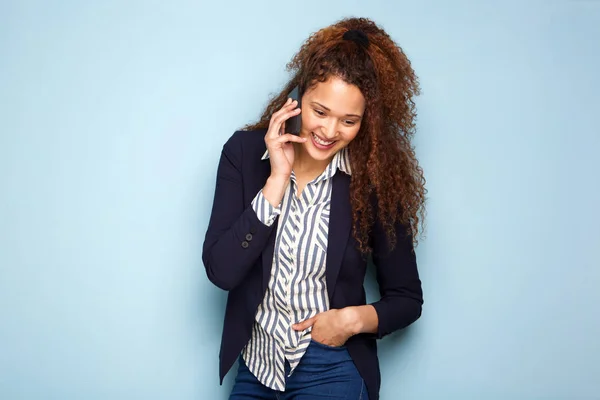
column 320, row 143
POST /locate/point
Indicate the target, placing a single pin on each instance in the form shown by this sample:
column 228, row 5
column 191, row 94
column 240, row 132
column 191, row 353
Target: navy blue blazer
column 238, row 253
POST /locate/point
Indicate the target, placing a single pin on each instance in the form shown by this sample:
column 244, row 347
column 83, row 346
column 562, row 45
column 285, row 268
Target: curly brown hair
column 382, row 157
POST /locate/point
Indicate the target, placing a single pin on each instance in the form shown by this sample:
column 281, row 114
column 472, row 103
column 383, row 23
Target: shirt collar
column 340, row 161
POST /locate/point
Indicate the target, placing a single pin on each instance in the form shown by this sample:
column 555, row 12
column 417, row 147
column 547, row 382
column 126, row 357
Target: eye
column 349, row 122
column 319, row 112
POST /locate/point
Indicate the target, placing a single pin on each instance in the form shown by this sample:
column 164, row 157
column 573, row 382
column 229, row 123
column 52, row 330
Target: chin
column 320, row 155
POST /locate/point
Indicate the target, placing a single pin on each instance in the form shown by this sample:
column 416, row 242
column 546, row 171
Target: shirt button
column 249, row 237
column 245, row 244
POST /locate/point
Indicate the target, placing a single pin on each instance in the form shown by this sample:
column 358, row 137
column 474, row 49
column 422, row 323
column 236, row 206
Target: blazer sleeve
column 235, row 237
column 398, row 278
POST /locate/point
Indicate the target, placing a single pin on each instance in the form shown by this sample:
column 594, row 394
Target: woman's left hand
column 332, row 328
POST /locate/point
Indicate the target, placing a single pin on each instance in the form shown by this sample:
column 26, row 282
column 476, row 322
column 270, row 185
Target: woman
column 295, row 218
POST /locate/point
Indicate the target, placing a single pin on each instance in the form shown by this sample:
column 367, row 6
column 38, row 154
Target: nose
column 328, row 130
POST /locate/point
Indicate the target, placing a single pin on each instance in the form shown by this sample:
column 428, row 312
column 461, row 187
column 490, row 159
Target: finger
column 284, row 110
column 281, row 141
column 277, row 122
column 289, row 104
column 285, row 115
column 300, row 327
column 304, row 324
column 288, row 137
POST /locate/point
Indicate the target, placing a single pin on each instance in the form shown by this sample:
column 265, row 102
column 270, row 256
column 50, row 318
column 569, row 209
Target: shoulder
column 244, row 149
column 247, row 139
column 248, row 143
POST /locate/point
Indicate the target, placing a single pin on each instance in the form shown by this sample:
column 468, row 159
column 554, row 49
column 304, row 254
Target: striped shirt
column 297, row 288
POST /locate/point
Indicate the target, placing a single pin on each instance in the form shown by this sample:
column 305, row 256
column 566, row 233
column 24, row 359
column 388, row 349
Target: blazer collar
column 340, row 223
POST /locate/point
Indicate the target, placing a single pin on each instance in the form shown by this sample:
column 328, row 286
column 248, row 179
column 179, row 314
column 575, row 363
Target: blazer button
column 245, row 244
column 249, row 237
column 252, row 229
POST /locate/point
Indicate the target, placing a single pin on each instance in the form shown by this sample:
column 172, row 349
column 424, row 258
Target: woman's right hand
column 281, row 152
column 281, row 144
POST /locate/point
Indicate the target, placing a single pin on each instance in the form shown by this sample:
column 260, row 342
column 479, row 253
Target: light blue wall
column 112, row 117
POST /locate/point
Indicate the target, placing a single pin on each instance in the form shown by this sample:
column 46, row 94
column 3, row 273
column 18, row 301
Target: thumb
column 300, row 326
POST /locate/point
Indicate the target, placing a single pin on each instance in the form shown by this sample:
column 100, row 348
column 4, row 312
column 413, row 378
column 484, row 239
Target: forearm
column 274, row 189
column 229, row 255
column 366, row 319
column 397, row 312
column 362, row 319
column 235, row 237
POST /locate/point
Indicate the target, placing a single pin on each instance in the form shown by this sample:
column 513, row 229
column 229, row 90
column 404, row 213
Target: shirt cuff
column 265, row 212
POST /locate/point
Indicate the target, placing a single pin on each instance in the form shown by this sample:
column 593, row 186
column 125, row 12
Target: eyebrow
column 347, row 115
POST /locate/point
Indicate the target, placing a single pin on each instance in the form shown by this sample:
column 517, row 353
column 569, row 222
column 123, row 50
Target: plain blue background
column 112, row 118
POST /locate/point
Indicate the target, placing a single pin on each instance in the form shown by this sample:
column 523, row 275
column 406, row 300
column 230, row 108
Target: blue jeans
column 324, row 372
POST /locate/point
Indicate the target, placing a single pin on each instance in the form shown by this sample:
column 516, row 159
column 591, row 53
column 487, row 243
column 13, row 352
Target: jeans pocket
column 326, row 346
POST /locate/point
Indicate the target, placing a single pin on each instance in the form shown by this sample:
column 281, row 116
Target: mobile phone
column 294, row 124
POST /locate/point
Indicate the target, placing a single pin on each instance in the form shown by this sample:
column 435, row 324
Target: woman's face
column 332, row 113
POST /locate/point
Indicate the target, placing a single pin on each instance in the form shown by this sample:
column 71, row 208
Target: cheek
column 309, row 122
column 351, row 134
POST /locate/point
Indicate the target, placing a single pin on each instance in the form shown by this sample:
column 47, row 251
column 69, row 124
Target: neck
column 305, row 165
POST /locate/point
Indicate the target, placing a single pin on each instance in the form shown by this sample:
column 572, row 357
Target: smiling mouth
column 321, row 142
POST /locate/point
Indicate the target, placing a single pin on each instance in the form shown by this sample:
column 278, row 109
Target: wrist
column 279, row 179
column 274, row 189
column 353, row 320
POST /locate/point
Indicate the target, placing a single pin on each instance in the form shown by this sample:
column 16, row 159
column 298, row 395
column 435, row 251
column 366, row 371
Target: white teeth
column 321, row 142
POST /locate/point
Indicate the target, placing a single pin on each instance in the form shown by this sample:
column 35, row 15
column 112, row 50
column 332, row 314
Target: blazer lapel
column 267, row 253
column 340, row 223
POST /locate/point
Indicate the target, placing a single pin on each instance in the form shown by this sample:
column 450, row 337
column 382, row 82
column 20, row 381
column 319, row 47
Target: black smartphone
column 294, row 124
